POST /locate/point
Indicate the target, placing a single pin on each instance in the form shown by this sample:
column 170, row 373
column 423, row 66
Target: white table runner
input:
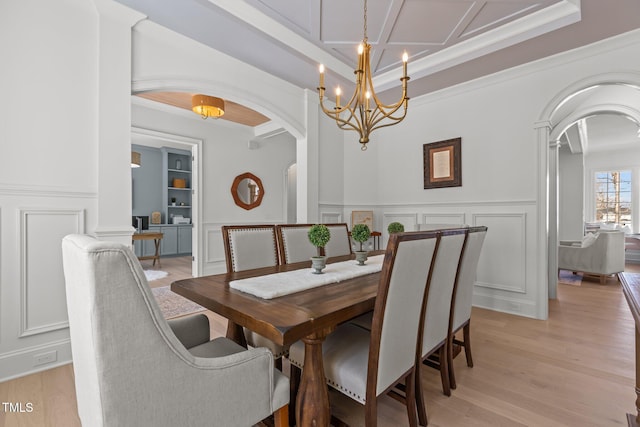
column 288, row 282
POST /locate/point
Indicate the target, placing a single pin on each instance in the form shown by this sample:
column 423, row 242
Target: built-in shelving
column 176, row 171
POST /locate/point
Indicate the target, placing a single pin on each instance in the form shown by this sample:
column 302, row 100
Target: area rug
column 568, row 278
column 174, row 305
column 155, row 274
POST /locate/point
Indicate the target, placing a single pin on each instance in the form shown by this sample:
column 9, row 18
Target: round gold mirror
column 247, row 191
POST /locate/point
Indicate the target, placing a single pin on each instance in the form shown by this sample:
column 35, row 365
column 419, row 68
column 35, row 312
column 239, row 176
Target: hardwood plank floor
column 576, row 368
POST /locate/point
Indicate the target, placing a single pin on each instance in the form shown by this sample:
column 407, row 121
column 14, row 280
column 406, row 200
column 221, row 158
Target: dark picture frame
column 442, row 164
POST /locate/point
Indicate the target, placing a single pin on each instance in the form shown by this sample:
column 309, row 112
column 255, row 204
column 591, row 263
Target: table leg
column 312, row 403
column 157, row 254
column 236, row 333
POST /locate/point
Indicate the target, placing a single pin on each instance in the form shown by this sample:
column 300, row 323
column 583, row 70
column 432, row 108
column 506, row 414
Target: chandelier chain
column 365, row 20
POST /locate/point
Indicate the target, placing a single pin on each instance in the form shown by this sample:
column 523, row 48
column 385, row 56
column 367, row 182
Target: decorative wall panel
column 43, row 297
column 502, row 263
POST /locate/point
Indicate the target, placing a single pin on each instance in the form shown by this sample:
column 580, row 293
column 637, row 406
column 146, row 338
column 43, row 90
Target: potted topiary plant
column 361, row 233
column 319, row 236
column 395, row 227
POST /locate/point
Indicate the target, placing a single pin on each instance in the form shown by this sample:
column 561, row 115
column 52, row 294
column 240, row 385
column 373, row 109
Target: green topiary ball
column 395, row 227
column 319, row 235
column 360, row 233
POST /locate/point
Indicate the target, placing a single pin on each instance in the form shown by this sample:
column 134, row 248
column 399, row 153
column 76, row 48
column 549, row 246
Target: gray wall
column 147, row 182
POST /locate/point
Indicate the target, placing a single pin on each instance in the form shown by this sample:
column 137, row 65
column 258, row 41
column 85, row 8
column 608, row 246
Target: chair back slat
column 396, row 318
column 249, row 246
column 293, row 243
column 440, row 291
column 467, row 276
column 340, row 243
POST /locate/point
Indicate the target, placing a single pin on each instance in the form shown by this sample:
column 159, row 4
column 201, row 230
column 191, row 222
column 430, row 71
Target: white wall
column 48, row 178
column 496, row 117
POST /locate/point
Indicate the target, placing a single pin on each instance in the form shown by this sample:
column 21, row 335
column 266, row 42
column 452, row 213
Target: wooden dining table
column 308, row 315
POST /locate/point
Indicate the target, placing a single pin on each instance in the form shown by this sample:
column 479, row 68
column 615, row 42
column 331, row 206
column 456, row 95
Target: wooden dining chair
column 247, row 247
column 463, row 296
column 365, row 364
column 340, row 243
column 293, row 243
column 437, row 311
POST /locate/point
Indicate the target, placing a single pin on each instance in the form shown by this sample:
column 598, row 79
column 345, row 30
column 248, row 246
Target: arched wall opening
column 611, row 93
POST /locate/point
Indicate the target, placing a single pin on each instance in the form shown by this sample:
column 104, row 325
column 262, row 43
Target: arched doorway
column 614, row 93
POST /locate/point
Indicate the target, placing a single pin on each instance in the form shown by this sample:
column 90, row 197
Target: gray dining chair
column 463, row 298
column 248, row 247
column 437, row 311
column 340, row 242
column 365, row 364
column 132, row 369
column 293, row 243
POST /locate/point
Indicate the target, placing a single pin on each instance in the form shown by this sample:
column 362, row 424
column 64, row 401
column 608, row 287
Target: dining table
column 308, row 315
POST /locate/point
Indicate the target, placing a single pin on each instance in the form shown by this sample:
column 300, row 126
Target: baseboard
column 34, row 359
column 505, row 305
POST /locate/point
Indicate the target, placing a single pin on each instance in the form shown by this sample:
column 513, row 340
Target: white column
column 542, row 226
column 114, row 121
column 307, row 164
column 554, row 146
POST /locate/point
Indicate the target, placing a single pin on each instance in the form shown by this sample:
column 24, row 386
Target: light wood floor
column 574, row 369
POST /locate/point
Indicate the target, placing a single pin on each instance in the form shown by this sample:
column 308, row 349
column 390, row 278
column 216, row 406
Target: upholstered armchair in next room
column 600, row 254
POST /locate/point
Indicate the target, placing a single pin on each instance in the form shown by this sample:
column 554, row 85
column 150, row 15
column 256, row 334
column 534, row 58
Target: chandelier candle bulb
column 321, row 75
column 405, row 58
column 338, row 92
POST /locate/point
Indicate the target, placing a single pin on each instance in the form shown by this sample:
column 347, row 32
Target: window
column 613, row 197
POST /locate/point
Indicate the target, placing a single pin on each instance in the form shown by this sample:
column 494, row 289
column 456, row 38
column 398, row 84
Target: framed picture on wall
column 442, row 164
column 362, row 217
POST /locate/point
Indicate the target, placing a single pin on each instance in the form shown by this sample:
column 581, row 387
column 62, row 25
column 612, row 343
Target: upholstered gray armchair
column 132, row 369
column 600, row 254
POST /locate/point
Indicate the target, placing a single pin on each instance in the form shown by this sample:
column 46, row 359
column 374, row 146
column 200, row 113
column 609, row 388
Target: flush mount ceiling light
column 207, row 106
column 135, row 159
column 358, row 114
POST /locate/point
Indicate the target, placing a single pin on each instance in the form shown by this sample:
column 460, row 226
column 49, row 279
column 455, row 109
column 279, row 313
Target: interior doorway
column 613, row 93
column 171, row 142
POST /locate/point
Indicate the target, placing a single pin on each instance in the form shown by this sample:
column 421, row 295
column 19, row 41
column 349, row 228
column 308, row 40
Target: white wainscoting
column 507, row 272
column 443, row 218
column 502, row 262
column 43, row 302
column 333, row 217
column 34, row 333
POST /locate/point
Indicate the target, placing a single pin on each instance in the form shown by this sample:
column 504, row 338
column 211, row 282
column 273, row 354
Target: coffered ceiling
column 448, row 41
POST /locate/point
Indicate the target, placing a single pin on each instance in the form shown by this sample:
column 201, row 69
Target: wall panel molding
column 330, row 217
column 443, row 218
column 43, row 306
column 44, row 191
column 503, row 260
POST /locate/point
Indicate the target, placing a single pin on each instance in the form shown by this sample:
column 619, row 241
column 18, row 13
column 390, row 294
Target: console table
column 631, row 289
column 156, row 237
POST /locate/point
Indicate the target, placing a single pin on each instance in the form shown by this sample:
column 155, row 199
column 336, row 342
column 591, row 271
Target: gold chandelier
column 207, row 106
column 358, row 114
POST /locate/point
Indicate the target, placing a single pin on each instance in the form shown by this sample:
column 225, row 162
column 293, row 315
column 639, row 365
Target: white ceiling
column 448, row 41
